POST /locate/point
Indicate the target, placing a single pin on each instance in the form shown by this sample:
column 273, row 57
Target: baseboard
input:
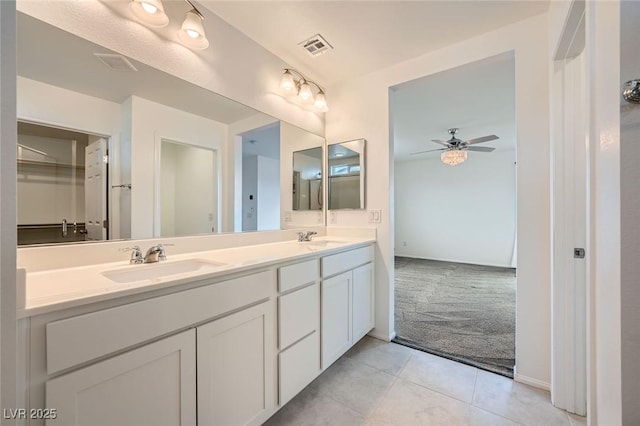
column 466, row 262
column 532, row 382
column 382, row 336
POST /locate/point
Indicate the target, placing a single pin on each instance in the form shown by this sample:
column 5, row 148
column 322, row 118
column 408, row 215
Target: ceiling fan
column 455, row 149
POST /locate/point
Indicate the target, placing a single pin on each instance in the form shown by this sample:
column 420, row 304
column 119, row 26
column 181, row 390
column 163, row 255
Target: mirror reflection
column 307, row 179
column 155, row 131
column 346, row 175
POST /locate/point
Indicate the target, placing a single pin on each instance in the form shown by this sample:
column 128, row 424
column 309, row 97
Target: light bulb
column 287, row 84
column 321, row 102
column 305, row 92
column 149, row 8
column 191, row 33
column 150, row 12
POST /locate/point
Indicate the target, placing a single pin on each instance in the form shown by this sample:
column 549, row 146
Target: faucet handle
column 136, row 254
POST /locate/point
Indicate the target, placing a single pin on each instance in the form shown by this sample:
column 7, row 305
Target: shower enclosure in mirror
column 346, row 172
column 307, row 179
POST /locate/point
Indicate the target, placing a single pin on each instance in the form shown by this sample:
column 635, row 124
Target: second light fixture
column 191, row 33
column 301, row 86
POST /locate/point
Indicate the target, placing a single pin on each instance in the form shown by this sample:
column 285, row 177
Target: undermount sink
column 151, row 271
column 320, row 244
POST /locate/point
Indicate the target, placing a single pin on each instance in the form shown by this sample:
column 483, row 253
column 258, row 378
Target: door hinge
column 578, row 253
column 105, row 224
column 105, row 159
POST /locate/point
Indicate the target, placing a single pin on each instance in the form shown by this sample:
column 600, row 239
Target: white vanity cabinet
column 153, row 385
column 298, row 327
column 236, row 368
column 347, row 301
column 204, row 356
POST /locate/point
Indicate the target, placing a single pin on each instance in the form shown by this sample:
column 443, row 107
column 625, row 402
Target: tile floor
column 380, row 383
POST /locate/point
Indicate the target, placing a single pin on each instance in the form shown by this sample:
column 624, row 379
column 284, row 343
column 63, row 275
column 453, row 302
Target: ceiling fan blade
column 479, row 149
column 481, row 140
column 443, row 143
column 431, row 150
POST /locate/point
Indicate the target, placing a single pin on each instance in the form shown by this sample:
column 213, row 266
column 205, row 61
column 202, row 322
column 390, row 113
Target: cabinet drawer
column 299, row 314
column 341, row 262
column 296, row 275
column 299, row 365
column 79, row 339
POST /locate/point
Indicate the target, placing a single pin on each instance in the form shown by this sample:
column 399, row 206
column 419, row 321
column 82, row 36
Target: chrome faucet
column 306, row 236
column 136, row 255
column 155, row 254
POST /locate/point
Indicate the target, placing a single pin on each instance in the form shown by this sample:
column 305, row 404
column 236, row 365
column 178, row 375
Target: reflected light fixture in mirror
column 301, row 86
column 191, row 33
column 453, row 157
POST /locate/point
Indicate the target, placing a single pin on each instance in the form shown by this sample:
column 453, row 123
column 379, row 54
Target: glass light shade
column 150, row 12
column 287, row 83
column 453, row 157
column 321, row 102
column 305, row 92
column 191, row 33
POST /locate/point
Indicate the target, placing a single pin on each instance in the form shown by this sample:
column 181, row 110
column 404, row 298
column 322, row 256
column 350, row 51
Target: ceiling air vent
column 316, row 45
column 115, row 62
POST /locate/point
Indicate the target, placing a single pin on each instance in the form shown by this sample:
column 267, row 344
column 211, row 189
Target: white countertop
column 56, row 289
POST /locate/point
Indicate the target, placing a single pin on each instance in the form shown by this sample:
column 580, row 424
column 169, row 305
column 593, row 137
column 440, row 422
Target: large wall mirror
column 346, row 175
column 110, row 148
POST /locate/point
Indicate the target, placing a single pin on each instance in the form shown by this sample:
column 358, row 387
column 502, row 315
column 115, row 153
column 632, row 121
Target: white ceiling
column 56, row 57
column 264, row 141
column 478, row 98
column 366, row 35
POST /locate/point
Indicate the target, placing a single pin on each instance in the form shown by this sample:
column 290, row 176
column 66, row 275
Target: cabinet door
column 336, row 317
column 362, row 301
column 236, row 368
column 152, row 385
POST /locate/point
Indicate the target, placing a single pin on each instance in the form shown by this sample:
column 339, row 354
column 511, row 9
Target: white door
column 362, row 301
column 95, row 187
column 154, row 385
column 236, row 368
column 336, row 317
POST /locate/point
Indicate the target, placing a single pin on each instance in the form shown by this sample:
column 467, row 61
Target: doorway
column 455, row 213
column 261, row 178
column 62, row 185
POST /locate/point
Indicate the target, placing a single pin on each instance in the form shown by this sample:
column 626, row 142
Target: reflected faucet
column 306, row 236
column 64, row 227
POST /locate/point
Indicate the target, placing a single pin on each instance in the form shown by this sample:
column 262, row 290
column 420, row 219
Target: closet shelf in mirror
column 49, row 164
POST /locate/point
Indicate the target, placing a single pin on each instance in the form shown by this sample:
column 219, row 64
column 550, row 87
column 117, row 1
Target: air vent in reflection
column 115, row 62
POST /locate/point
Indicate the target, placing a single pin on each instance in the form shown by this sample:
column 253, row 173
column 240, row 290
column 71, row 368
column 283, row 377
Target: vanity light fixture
column 301, row 86
column 191, row 33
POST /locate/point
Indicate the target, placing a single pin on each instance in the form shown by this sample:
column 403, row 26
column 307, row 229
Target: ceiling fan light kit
column 455, row 150
column 453, row 157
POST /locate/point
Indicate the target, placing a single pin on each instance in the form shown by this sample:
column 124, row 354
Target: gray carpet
column 459, row 311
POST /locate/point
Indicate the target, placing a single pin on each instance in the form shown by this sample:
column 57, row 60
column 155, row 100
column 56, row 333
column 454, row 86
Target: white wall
column 630, row 217
column 360, row 109
column 152, row 122
column 295, row 139
column 268, row 193
column 249, row 188
column 465, row 213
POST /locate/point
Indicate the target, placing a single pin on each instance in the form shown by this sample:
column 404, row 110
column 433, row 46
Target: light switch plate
column 375, row 216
